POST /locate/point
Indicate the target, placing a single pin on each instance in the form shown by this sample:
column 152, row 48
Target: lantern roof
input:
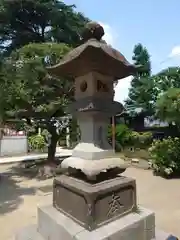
column 94, row 55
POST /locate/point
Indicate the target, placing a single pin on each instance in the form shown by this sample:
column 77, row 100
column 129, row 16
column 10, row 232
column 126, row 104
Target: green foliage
column 125, row 137
column 122, row 134
column 140, row 93
column 142, row 57
column 146, row 89
column 7, row 89
column 165, row 156
column 140, row 139
column 73, row 130
column 137, row 153
column 168, row 106
column 146, row 138
column 27, row 21
column 168, row 78
column 161, row 83
column 39, row 96
column 29, row 35
column 37, row 142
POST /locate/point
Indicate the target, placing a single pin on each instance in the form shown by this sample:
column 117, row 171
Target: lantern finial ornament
column 93, row 30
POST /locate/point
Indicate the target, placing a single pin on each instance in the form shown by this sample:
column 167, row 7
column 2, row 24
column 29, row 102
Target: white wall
column 13, row 145
column 148, row 122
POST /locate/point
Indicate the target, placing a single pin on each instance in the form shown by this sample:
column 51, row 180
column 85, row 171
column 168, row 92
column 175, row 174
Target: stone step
column 54, row 225
column 30, row 233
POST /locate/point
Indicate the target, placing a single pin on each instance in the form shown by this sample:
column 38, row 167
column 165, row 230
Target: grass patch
column 137, row 153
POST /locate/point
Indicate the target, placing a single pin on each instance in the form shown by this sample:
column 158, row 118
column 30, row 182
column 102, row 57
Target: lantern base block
column 53, row 225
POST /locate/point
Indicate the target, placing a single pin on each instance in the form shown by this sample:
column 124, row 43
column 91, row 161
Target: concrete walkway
column 60, row 152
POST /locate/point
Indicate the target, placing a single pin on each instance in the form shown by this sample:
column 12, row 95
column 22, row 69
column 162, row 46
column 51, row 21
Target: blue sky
column 154, row 23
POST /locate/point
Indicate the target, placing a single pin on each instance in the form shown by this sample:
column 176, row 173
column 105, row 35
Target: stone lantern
column 93, row 201
column 95, row 66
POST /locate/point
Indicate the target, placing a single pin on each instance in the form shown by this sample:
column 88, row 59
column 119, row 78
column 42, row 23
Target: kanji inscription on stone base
column 115, row 205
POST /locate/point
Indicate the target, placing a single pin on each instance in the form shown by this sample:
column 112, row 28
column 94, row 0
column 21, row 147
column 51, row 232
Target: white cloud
column 175, row 52
column 122, row 89
column 110, row 35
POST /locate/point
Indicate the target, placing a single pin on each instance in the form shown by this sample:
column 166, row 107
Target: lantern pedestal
column 94, row 204
column 101, row 210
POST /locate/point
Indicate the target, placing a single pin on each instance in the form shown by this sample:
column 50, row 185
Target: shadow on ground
column 11, row 193
column 39, row 169
column 28, row 169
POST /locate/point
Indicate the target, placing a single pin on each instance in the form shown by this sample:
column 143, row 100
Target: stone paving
column 20, row 196
column 60, row 152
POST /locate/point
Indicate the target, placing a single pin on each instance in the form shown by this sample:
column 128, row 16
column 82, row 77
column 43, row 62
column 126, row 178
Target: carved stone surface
column 98, row 85
column 93, row 205
column 90, row 104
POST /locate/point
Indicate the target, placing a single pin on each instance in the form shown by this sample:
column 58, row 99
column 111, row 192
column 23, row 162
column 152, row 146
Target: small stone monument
column 93, row 201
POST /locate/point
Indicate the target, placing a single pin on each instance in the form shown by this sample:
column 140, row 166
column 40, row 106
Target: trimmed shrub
column 125, row 137
column 165, row 156
column 122, row 134
column 37, row 142
column 140, row 139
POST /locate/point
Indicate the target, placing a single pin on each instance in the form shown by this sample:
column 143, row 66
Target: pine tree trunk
column 52, row 148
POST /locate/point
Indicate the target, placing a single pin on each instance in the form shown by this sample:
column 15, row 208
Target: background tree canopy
column 168, row 106
column 34, row 34
column 28, row 21
column 38, row 97
column 146, row 88
column 137, row 96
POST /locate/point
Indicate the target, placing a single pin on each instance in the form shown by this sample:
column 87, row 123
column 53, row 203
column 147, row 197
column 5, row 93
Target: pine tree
column 140, row 93
column 40, row 99
column 30, row 21
column 34, row 34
